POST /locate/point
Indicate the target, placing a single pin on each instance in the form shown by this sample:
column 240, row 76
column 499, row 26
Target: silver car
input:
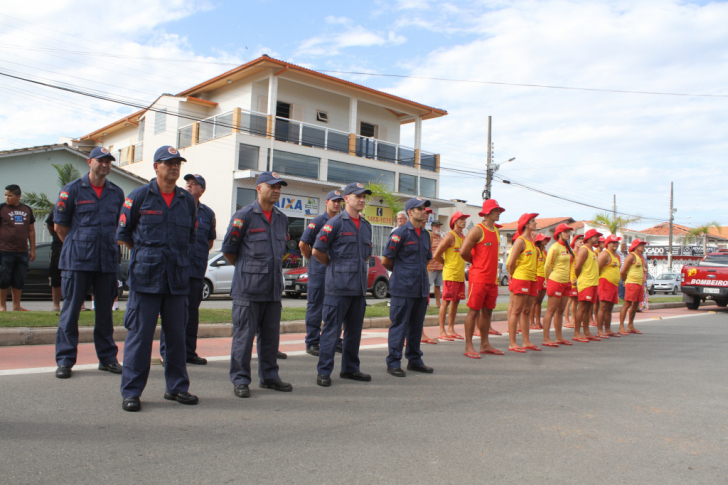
column 668, row 283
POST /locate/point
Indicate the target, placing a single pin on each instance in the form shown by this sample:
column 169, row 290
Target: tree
column 612, row 222
column 702, row 231
column 40, row 203
column 381, row 191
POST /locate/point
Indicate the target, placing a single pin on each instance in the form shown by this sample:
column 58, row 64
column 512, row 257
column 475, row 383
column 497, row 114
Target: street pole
column 669, row 249
column 614, row 206
column 489, row 170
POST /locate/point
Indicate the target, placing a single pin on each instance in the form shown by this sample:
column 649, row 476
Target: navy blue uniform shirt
column 260, row 246
column 162, row 236
column 349, row 250
column 90, row 244
column 316, row 270
column 201, row 248
column 409, row 254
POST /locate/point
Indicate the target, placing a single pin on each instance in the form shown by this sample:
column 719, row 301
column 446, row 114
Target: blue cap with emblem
column 270, row 178
column 100, row 152
column 416, row 202
column 356, row 188
column 167, row 153
column 198, row 178
column 334, row 195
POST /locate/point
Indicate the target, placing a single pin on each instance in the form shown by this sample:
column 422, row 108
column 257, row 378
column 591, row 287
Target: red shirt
column 268, row 214
column 97, row 189
column 417, row 230
column 485, row 258
column 356, row 222
column 167, row 197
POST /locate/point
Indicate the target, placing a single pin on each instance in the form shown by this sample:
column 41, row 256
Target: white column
column 272, row 94
column 418, row 132
column 352, row 115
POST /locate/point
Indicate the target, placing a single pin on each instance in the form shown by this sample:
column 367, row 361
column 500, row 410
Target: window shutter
column 297, row 112
column 263, row 104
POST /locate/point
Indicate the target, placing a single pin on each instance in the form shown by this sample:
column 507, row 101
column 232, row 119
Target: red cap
column 428, row 210
column 514, row 237
column 543, row 237
column 573, row 243
column 613, row 238
column 455, row 217
column 636, row 243
column 601, row 239
column 523, row 220
column 591, row 233
column 489, row 206
column 561, row 228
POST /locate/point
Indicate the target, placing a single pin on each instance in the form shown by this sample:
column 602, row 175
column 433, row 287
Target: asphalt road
column 640, row 409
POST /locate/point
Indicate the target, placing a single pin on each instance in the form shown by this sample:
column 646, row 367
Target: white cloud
column 332, row 44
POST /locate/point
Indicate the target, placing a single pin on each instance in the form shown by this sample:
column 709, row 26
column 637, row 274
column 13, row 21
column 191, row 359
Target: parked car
column 650, row 284
column 706, row 281
column 296, row 280
column 219, row 275
column 667, row 282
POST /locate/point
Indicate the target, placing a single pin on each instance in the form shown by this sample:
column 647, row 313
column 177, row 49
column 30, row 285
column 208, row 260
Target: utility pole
column 614, row 206
column 672, row 216
column 488, row 168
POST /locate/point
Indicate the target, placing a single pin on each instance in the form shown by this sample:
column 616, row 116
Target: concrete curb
column 47, row 335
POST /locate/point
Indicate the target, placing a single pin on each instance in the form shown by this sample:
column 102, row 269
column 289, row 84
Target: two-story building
column 319, row 132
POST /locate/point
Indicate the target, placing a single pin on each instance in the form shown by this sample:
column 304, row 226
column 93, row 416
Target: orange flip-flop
column 457, row 336
column 446, row 338
column 532, row 347
column 581, row 339
column 564, row 342
column 472, row 355
column 549, row 344
column 594, row 339
column 428, row 341
column 517, row 349
column 493, row 352
column 494, row 332
column 635, row 331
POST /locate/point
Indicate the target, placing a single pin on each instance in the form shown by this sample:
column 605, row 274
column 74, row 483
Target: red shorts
column 608, row 292
column 634, row 292
column 540, row 283
column 558, row 290
column 482, row 295
column 453, row 290
column 524, row 287
column 588, row 294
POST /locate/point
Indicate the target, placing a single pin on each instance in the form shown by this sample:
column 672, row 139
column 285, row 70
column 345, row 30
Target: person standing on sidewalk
column 158, row 224
column 16, row 231
column 453, row 274
column 256, row 243
column 315, row 291
column 570, row 322
column 541, row 241
column 85, row 219
column 587, row 273
column 557, row 271
column 435, row 267
column 633, row 274
column 406, row 255
column 480, row 248
column 522, row 266
column 608, row 286
column 344, row 246
column 622, row 253
column 199, row 251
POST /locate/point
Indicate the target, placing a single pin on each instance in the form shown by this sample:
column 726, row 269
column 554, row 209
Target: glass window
column 407, row 184
column 295, row 164
column 428, row 162
column 184, row 137
column 346, row 173
column 428, row 187
column 160, row 121
column 248, row 156
column 244, row 197
column 223, row 125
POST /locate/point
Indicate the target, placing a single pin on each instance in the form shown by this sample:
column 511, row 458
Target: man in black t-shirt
column 16, row 230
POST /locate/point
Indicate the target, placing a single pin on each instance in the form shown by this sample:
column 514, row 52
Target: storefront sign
column 381, row 216
column 677, row 250
column 297, row 206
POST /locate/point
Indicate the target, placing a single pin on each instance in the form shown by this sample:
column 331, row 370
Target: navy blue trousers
column 142, row 311
column 408, row 317
column 74, row 285
column 192, row 322
column 348, row 310
column 314, row 310
column 251, row 319
column 621, row 289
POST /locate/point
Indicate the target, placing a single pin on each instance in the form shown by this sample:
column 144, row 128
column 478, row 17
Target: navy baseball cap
column 167, row 153
column 100, row 152
column 198, row 178
column 416, row 202
column 334, row 195
column 356, row 188
column 270, row 178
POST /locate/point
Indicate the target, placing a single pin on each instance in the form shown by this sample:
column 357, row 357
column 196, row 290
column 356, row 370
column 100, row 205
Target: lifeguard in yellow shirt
column 587, row 280
column 557, row 270
column 608, row 286
column 522, row 266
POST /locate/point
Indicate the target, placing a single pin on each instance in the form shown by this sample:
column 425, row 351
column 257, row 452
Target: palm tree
column 40, row 203
column 702, row 231
column 381, row 191
column 614, row 223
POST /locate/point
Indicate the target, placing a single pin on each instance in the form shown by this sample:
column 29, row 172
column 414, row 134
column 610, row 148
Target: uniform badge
column 275, row 175
column 104, row 150
column 172, row 151
column 359, row 185
column 61, row 206
column 128, row 203
column 337, row 192
column 64, row 195
column 396, row 238
column 326, row 228
column 238, row 223
column 122, row 220
column 311, row 225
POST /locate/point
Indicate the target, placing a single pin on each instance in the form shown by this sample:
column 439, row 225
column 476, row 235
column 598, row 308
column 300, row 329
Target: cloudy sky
column 586, row 145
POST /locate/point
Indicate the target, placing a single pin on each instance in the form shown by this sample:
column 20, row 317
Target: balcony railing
column 389, row 152
column 138, row 151
column 309, row 135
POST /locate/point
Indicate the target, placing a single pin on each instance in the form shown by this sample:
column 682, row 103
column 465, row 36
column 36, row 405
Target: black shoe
column 339, row 348
column 114, row 368
column 281, row 355
column 277, row 386
column 420, row 368
column 63, row 372
column 396, row 371
column 131, row 404
column 182, row 398
column 356, row 376
column 312, row 349
column 197, row 360
column 323, row 381
column 242, row 390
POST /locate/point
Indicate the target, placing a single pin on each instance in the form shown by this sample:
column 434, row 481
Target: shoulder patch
column 311, row 225
column 395, row 238
column 122, row 220
column 326, row 228
column 64, row 195
column 238, row 223
column 128, row 203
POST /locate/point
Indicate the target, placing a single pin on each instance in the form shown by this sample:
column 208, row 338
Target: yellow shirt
column 610, row 271
column 589, row 271
column 454, row 267
column 527, row 262
column 541, row 258
column 636, row 272
column 558, row 263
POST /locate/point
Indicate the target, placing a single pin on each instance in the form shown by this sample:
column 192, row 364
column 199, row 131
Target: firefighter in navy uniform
column 316, row 272
column 344, row 246
column 199, row 251
column 406, row 256
column 85, row 219
column 255, row 243
column 158, row 224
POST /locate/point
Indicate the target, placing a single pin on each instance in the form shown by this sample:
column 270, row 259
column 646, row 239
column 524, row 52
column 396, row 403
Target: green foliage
column 702, row 231
column 67, row 173
column 381, row 192
column 612, row 222
column 40, row 203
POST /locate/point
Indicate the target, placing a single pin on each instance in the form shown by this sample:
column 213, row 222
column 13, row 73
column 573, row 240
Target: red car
column 296, row 280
